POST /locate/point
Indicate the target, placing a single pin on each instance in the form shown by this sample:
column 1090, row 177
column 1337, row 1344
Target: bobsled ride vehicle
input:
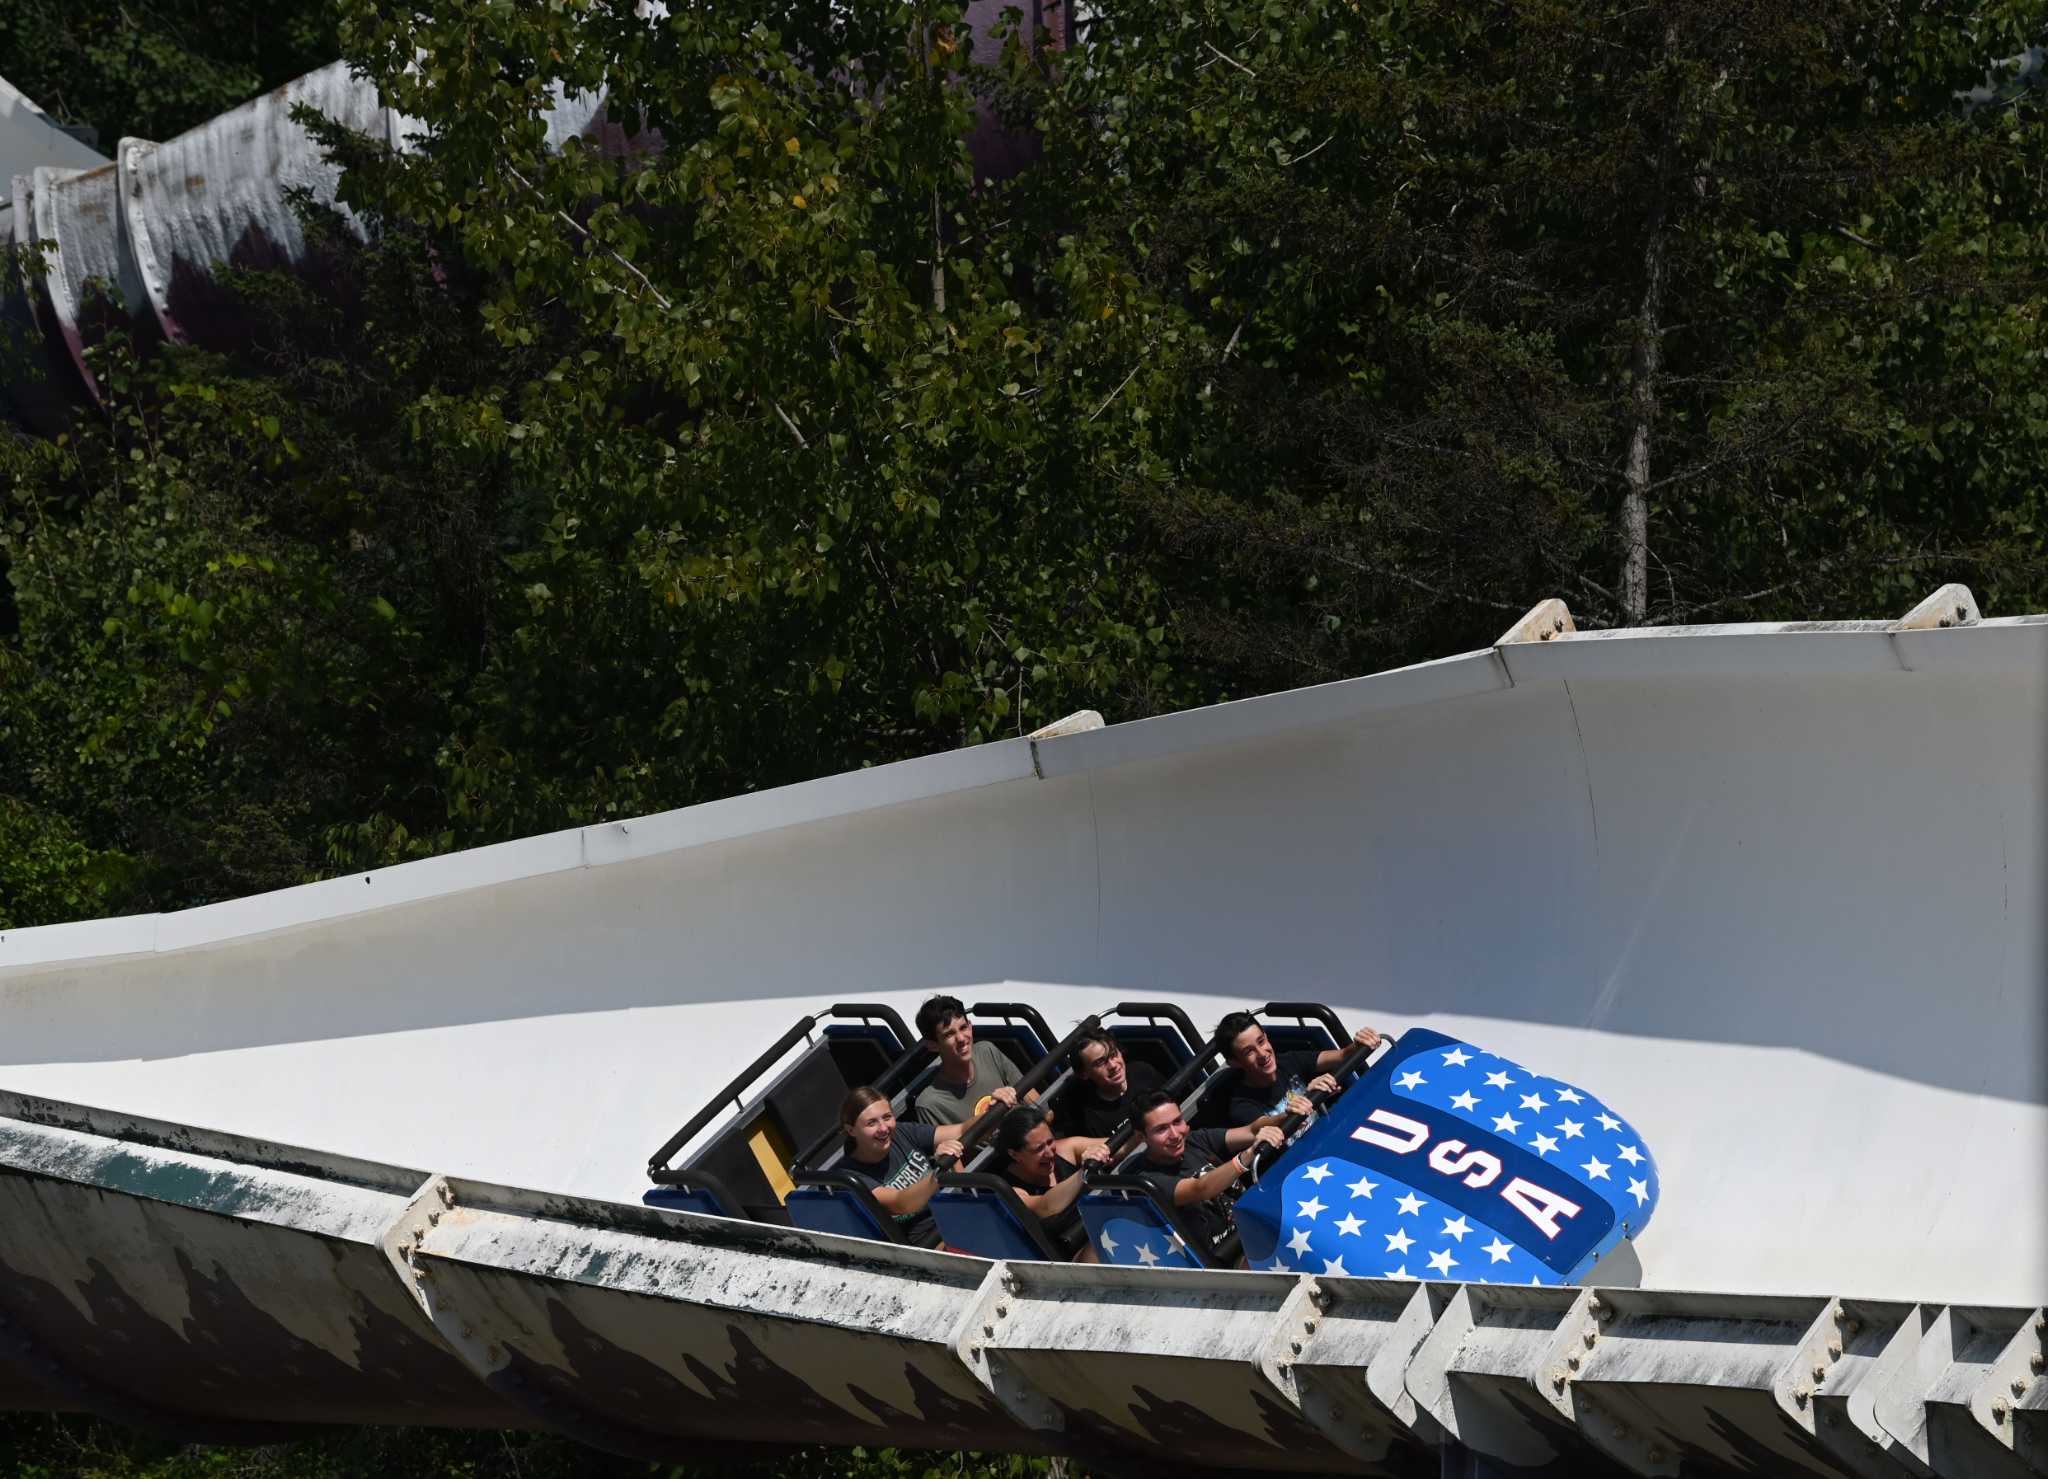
column 1434, row 1159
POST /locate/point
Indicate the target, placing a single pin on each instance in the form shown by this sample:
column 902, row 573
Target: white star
column 1348, row 1226
column 1596, row 1169
column 1567, row 1096
column 1318, row 1172
column 1573, row 1129
column 1109, row 1244
column 1535, row 1102
column 1630, row 1154
column 1399, row 1242
column 1279, row 1266
column 1498, row 1080
column 1463, row 1100
column 1498, row 1250
column 1146, row 1256
column 1333, row 1266
column 1507, row 1124
column 1442, row 1261
column 1608, row 1122
column 1399, row 1273
column 1545, row 1144
column 1456, row 1227
column 1640, row 1190
column 1312, row 1208
column 1409, row 1080
column 1457, row 1057
column 1364, row 1186
column 1299, row 1242
column 1410, row 1205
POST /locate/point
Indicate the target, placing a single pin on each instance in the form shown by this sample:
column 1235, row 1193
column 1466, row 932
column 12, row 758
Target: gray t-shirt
column 943, row 1103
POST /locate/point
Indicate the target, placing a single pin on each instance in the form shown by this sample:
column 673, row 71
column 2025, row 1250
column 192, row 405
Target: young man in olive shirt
column 971, row 1075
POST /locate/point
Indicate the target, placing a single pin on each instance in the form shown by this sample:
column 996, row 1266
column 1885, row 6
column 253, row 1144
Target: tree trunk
column 1646, row 362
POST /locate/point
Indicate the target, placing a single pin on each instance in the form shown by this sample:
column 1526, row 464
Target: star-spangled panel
column 1320, row 1208
column 1559, row 1123
column 1343, row 1219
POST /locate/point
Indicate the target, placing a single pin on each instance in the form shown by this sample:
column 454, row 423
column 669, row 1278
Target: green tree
column 1681, row 310
column 154, row 68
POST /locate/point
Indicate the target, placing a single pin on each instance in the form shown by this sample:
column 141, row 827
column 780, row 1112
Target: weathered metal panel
column 81, row 211
column 37, row 374
column 1340, row 1353
column 1148, row 1364
column 1950, row 1406
column 219, row 194
column 1661, row 1380
column 652, row 1333
column 205, row 1285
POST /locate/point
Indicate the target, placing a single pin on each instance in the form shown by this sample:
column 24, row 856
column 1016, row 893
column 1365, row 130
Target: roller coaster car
column 774, row 1143
column 1437, row 1143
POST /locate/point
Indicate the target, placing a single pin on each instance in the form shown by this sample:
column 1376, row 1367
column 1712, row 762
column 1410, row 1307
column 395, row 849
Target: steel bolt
column 974, row 1351
column 2034, row 1360
column 1558, row 1378
column 2019, row 1387
column 1962, row 613
column 1572, row 1361
column 1801, row 1395
column 988, row 1329
column 1834, row 1350
column 1295, row 1346
column 1309, row 1326
column 1591, row 1335
column 1999, row 1409
column 1820, row 1372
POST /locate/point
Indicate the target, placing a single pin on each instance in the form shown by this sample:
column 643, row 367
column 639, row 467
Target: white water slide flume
column 1774, row 892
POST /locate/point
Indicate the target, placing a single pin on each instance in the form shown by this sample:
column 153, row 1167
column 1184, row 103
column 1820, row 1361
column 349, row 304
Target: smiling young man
column 1264, row 1083
column 971, row 1075
column 1194, row 1170
column 1108, row 1086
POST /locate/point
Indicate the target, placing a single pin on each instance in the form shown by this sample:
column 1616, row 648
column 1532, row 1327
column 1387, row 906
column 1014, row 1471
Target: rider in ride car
column 895, row 1160
column 1109, row 1085
column 1263, row 1086
column 1045, row 1181
column 971, row 1075
column 1193, row 1170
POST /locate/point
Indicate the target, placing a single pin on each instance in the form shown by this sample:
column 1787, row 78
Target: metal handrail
column 730, row 1094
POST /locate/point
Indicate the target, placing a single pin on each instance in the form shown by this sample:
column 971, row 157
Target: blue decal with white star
column 1445, row 1161
column 1127, row 1228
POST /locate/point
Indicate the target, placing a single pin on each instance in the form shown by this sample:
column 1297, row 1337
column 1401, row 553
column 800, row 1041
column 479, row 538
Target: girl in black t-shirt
column 896, row 1160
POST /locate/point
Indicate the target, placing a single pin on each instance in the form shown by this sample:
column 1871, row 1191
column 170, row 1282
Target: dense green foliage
column 153, row 68
column 70, row 1448
column 618, row 476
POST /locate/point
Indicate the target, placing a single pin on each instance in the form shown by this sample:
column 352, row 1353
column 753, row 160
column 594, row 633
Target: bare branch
column 578, row 227
column 1226, row 57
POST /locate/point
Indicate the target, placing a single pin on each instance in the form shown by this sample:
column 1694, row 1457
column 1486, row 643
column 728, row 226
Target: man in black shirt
column 1265, row 1086
column 1193, row 1170
column 1108, row 1085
